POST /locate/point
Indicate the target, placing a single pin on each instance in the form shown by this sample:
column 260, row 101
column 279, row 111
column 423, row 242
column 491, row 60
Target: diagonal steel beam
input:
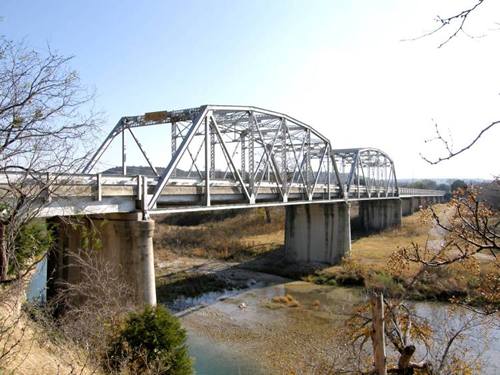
column 268, row 157
column 319, row 172
column 228, row 157
column 143, row 152
column 162, row 182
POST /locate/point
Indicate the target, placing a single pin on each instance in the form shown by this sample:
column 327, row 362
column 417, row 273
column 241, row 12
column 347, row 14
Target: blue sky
column 338, row 65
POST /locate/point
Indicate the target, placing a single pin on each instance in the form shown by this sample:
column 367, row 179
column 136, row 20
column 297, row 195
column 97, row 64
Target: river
column 260, row 334
column 260, row 331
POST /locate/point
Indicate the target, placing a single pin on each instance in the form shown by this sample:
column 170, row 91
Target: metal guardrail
column 424, row 192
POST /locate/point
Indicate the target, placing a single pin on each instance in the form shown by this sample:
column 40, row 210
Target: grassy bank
column 249, row 238
column 367, row 266
column 228, row 237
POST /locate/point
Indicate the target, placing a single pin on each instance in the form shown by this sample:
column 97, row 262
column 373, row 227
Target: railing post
column 99, row 187
column 139, row 187
column 142, row 192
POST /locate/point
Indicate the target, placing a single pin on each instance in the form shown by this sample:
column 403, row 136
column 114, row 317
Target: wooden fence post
column 378, row 333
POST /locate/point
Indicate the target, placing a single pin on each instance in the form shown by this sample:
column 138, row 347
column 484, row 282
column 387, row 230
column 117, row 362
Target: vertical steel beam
column 328, row 161
column 251, row 155
column 284, row 163
column 173, row 137
column 308, row 159
column 124, row 154
column 207, row 161
column 357, row 173
column 212, row 155
column 243, row 155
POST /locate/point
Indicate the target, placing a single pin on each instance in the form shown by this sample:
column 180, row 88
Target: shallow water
column 215, row 349
column 36, row 291
column 321, row 308
column 213, row 358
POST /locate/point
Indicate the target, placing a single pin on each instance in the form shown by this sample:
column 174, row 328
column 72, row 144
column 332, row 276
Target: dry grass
column 375, row 249
column 35, row 349
column 286, row 300
column 235, row 238
column 367, row 265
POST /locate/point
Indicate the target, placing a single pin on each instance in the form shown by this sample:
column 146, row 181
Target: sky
column 347, row 68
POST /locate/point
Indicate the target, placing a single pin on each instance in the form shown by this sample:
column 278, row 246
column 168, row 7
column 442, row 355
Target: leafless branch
column 447, row 144
column 457, row 22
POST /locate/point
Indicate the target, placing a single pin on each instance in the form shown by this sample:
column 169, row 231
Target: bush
column 150, row 341
column 32, row 240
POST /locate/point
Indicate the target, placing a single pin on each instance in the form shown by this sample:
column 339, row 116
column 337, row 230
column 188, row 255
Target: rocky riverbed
column 261, row 323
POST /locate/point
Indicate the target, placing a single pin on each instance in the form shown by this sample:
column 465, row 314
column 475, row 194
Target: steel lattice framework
column 367, row 172
column 264, row 155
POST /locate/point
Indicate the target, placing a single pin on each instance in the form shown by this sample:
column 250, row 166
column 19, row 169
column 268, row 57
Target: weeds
column 228, row 239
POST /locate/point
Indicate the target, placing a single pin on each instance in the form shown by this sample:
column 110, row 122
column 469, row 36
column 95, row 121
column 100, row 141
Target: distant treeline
column 449, row 186
column 488, row 190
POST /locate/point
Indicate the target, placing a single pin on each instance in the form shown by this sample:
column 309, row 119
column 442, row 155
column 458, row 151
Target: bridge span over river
column 224, row 157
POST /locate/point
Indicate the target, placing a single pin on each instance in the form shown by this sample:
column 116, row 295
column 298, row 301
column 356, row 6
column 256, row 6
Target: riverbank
column 299, row 328
column 280, row 326
column 28, row 347
column 248, row 311
column 257, row 244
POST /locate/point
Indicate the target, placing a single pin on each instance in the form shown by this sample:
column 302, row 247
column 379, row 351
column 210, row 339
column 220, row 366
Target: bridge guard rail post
column 318, row 233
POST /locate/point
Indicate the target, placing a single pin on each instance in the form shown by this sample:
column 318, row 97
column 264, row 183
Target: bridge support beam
column 377, row 215
column 123, row 241
column 318, row 232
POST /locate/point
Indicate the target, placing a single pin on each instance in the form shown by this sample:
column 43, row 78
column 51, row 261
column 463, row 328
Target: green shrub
column 32, row 240
column 150, row 341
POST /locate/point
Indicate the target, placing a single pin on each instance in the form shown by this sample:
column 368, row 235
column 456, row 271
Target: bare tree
column 46, row 121
column 453, row 26
column 46, row 125
column 470, row 227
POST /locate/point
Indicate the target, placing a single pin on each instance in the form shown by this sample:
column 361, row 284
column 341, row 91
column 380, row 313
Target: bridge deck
column 80, row 194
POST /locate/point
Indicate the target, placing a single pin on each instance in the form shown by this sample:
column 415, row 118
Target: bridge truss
column 264, row 156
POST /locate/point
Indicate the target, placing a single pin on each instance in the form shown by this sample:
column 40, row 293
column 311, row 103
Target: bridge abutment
column 377, row 215
column 122, row 241
column 318, row 232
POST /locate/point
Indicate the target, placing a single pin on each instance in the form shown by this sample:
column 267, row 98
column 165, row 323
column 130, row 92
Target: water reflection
column 36, row 291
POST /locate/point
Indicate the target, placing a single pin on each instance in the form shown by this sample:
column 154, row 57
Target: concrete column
column 407, row 206
column 143, row 232
column 380, row 214
column 123, row 241
column 415, row 204
column 318, row 232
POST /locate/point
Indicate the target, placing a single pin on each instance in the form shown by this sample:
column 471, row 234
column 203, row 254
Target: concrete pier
column 406, row 206
column 318, row 232
column 122, row 240
column 376, row 215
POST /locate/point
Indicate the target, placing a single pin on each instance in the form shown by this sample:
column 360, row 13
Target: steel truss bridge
column 226, row 157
